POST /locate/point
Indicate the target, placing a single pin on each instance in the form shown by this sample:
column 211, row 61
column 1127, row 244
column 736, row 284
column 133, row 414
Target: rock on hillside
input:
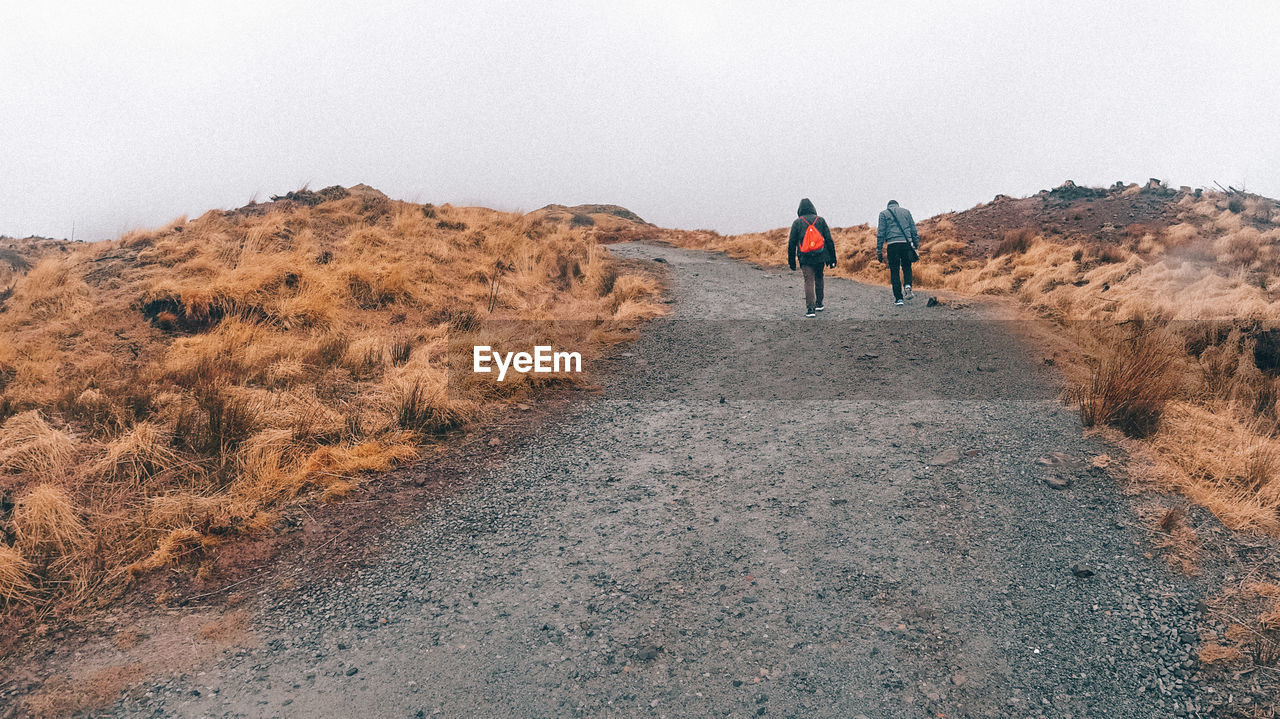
column 1104, row 214
column 611, row 223
column 580, row 214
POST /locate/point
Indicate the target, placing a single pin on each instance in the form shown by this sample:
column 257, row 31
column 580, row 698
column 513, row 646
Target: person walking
column 896, row 232
column 811, row 246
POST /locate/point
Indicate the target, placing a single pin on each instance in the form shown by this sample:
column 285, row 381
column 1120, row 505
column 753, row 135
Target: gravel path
column 862, row 532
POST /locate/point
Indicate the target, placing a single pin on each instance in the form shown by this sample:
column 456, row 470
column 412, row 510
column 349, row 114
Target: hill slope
column 1167, row 300
column 165, row 391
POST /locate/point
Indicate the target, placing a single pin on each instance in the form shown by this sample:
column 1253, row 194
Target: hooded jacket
column 888, row 232
column 806, row 215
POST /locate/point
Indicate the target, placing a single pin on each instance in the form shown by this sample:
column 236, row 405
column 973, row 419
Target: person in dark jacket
column 896, row 232
column 811, row 262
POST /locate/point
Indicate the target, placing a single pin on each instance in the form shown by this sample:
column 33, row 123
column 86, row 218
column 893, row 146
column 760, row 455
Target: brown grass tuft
column 1016, row 242
column 176, row 545
column 1214, row 653
column 28, row 444
column 1132, row 382
column 46, row 521
column 15, row 573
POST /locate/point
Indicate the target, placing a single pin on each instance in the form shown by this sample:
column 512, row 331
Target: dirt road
column 715, row 537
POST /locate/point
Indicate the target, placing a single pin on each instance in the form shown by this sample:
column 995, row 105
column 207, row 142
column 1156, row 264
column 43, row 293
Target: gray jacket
column 887, row 231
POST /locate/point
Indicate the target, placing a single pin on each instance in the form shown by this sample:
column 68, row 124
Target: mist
column 717, row 115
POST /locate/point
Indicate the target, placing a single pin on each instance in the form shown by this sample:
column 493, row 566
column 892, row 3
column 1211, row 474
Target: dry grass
column 1214, row 653
column 45, row 520
column 28, row 444
column 166, row 391
column 15, row 576
column 1174, row 328
column 1130, row 386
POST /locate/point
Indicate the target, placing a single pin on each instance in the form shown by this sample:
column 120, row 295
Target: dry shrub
column 176, row 545
column 1214, row 653
column 15, row 574
column 28, row 444
column 1016, row 241
column 423, row 405
column 1221, row 464
column 46, row 521
column 1132, row 381
column 631, row 288
column 343, row 463
column 140, row 453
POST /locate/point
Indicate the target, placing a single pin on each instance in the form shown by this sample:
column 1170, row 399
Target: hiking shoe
column 908, row 294
column 898, row 303
column 810, row 313
column 819, row 308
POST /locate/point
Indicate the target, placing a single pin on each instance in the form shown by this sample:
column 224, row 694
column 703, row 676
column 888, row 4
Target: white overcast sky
column 694, row 114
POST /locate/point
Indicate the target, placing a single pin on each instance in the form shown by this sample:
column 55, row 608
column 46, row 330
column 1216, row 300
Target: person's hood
column 893, row 203
column 806, row 208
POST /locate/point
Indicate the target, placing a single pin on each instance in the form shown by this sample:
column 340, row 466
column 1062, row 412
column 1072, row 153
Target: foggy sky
column 715, row 115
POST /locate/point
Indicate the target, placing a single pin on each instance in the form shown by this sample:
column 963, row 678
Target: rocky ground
column 881, row 512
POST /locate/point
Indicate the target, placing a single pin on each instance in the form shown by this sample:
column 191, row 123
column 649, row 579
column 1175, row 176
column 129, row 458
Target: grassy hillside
column 18, row 256
column 1167, row 300
column 172, row 389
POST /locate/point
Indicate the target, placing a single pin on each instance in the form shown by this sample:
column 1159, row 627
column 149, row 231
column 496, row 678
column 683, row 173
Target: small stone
column 495, row 442
column 933, row 302
column 1057, row 482
column 352, row 671
column 1058, row 459
column 948, row 456
column 1081, row 570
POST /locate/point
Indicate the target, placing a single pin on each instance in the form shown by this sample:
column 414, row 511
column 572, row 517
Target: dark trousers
column 899, row 256
column 812, row 286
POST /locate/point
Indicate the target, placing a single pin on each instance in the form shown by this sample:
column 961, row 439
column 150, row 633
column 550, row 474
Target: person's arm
column 792, row 241
column 881, row 228
column 915, row 236
column 830, row 243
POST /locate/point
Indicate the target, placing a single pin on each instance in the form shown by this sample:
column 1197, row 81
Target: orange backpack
column 812, row 241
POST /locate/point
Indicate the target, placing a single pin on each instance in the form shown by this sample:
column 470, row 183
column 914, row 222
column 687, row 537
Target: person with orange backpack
column 811, row 246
